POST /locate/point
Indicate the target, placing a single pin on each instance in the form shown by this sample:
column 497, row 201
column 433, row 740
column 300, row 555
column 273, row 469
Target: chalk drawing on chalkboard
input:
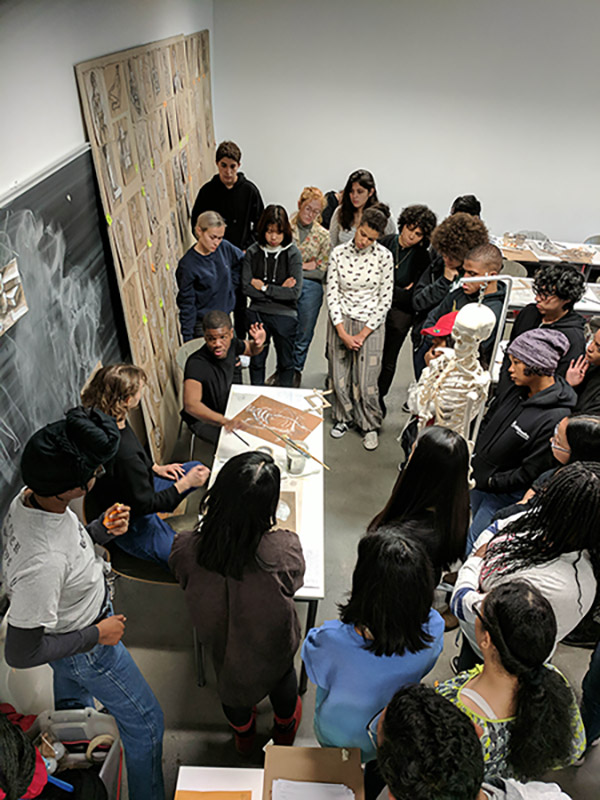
column 12, row 297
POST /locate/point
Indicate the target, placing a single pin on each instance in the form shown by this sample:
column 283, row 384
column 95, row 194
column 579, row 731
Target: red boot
column 284, row 730
column 245, row 735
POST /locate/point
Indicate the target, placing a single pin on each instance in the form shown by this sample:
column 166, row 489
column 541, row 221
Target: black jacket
column 240, row 207
column 273, row 268
column 572, row 325
column 513, row 446
column 417, row 262
column 428, row 292
column 588, row 393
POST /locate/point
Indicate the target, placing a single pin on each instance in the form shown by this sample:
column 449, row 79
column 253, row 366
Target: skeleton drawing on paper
column 454, row 386
column 264, row 413
column 12, row 296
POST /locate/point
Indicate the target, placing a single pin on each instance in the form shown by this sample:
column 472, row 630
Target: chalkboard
column 65, row 316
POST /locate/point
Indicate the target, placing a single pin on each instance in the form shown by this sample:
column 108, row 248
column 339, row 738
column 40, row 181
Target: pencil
column 241, row 438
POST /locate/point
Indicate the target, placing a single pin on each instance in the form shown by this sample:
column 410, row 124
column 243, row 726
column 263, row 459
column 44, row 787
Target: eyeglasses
column 311, row 212
column 477, row 610
column 372, row 728
column 554, row 442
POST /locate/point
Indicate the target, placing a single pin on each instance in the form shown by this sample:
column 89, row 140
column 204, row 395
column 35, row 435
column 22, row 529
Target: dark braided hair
column 17, row 760
column 563, row 518
column 522, row 627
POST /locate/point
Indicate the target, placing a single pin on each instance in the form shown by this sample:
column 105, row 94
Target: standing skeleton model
column 454, row 386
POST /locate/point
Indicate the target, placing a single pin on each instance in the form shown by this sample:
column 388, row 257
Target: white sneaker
column 371, row 440
column 339, row 429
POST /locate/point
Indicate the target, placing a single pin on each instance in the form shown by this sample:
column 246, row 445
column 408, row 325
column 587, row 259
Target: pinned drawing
column 12, row 297
column 111, row 179
column 133, row 85
column 114, row 82
column 137, row 225
column 126, row 154
column 265, row 418
column 287, row 511
column 97, row 107
column 124, row 242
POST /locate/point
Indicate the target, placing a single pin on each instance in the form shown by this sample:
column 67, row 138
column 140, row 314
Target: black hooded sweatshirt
column 513, row 446
column 572, row 325
column 240, row 207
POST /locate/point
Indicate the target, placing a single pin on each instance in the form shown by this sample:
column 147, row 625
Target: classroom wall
column 41, row 42
column 435, row 97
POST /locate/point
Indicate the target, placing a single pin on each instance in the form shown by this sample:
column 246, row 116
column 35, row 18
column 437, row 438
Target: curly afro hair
column 418, row 216
column 458, row 234
column 429, row 748
column 563, row 280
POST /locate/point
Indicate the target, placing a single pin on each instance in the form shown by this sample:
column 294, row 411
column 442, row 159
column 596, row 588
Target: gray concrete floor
column 159, row 632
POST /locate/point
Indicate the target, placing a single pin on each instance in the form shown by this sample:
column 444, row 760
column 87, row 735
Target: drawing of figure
column 137, row 228
column 125, row 155
column 205, row 50
column 155, row 75
column 97, row 109
column 124, row 244
column 114, row 90
column 134, row 92
column 111, row 180
column 151, row 208
column 177, row 78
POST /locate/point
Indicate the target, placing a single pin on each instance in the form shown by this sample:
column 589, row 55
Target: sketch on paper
column 12, row 297
column 264, row 412
column 111, row 183
column 151, row 207
column 112, row 76
column 126, row 156
column 97, row 107
column 137, row 227
column 287, row 511
column 134, row 88
column 155, row 75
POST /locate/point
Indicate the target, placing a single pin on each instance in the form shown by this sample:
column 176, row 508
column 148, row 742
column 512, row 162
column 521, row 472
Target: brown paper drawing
column 115, row 89
column 133, row 86
column 112, row 182
column 137, row 223
column 12, row 297
column 124, row 242
column 264, row 412
column 125, row 146
column 97, row 105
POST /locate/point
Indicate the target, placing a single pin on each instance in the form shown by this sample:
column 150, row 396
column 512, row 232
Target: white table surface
column 311, row 489
column 522, row 294
column 214, row 779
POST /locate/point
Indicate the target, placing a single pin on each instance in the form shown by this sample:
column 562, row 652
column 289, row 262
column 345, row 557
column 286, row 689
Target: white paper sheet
column 306, row 790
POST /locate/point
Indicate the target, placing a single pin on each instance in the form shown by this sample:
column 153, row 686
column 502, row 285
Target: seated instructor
column 60, row 610
column 209, row 371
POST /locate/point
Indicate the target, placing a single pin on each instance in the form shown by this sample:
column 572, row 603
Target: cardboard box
column 320, row 764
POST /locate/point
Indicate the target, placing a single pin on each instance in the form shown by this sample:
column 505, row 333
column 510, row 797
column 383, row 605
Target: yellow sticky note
column 160, row 302
column 137, row 169
column 144, row 319
column 143, row 192
column 167, row 266
column 109, row 219
column 149, row 243
column 180, row 143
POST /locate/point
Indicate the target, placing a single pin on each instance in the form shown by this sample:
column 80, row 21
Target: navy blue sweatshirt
column 206, row 283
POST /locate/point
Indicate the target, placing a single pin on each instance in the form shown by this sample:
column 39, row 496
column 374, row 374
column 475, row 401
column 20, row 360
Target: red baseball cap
column 443, row 327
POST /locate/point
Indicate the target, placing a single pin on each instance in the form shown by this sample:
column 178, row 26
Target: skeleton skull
column 474, row 323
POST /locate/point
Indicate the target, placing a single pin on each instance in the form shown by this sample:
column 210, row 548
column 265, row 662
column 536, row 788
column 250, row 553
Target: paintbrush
column 241, row 438
column 296, row 446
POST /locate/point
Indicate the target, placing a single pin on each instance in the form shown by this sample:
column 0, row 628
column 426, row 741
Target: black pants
column 373, row 782
column 283, row 698
column 397, row 326
column 240, row 321
column 283, row 332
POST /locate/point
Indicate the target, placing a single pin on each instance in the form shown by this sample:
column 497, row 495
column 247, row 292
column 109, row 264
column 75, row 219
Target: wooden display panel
column 148, row 113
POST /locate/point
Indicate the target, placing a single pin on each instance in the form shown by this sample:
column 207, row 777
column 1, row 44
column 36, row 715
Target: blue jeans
column 150, row 537
column 111, row 676
column 483, row 507
column 309, row 305
column 590, row 701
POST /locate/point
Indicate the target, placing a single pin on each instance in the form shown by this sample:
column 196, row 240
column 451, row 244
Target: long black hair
column 435, row 477
column 522, row 627
column 237, row 511
column 562, row 518
column 365, row 179
column 392, row 593
column 583, row 437
column 17, row 760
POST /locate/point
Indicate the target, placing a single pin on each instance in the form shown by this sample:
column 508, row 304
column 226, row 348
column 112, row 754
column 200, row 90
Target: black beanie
column 64, row 455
